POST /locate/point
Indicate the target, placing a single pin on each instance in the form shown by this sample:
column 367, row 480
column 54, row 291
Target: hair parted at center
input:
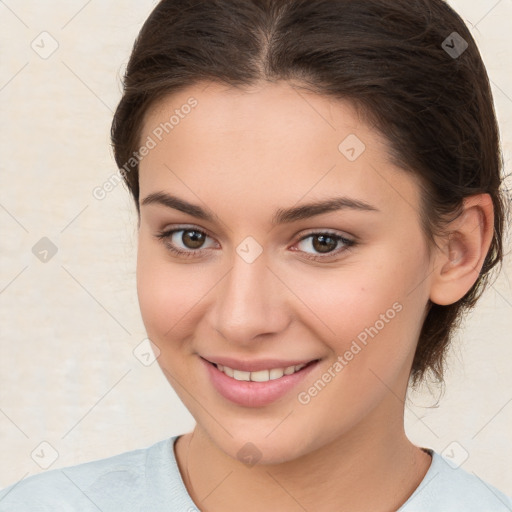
column 386, row 58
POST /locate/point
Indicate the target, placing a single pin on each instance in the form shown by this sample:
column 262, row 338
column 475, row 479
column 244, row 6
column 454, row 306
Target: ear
column 461, row 253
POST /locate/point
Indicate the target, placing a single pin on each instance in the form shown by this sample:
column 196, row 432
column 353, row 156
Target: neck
column 367, row 468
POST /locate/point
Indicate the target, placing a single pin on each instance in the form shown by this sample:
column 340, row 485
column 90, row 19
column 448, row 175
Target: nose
column 250, row 302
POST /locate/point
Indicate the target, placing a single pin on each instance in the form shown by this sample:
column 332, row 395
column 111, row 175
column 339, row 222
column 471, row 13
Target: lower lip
column 254, row 394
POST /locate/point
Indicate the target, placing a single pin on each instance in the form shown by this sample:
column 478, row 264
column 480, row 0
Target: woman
column 318, row 191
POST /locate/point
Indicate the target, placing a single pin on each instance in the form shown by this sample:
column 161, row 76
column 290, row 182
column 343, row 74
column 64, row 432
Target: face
column 257, row 287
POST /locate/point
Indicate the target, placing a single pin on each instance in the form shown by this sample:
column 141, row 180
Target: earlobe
column 461, row 253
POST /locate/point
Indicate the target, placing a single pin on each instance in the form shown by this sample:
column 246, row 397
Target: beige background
column 68, row 375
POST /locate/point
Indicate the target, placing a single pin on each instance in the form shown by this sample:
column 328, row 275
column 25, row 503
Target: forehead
column 257, row 114
column 274, row 143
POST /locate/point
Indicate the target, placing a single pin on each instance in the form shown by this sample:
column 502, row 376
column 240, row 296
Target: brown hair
column 390, row 59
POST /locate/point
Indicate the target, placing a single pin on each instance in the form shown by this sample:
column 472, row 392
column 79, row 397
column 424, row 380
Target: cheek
column 167, row 293
column 368, row 311
column 370, row 322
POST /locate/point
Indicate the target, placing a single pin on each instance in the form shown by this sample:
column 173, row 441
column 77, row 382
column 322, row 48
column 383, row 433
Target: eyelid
column 311, row 231
column 187, row 227
column 328, row 231
column 166, row 233
column 349, row 241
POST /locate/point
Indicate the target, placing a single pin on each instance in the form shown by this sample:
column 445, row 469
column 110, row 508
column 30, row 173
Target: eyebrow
column 281, row 216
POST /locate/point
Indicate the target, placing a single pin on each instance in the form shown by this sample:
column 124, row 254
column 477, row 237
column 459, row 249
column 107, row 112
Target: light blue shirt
column 149, row 480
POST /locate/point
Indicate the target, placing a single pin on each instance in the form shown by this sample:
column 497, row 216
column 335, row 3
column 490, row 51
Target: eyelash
column 164, row 237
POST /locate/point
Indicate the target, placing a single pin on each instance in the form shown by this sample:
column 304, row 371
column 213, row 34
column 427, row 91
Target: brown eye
column 323, row 243
column 192, row 239
column 184, row 242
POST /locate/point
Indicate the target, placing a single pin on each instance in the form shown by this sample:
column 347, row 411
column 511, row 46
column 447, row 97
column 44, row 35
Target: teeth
column 240, row 375
column 261, row 375
column 276, row 373
column 289, row 370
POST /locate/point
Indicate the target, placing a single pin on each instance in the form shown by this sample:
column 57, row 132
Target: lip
column 255, row 366
column 255, row 394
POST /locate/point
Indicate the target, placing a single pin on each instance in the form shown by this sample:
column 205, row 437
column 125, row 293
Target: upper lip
column 256, row 365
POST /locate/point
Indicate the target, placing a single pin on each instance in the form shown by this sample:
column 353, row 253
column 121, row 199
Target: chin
column 261, row 446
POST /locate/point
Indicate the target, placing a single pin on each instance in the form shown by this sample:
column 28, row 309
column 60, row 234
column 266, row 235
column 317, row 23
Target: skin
column 244, row 154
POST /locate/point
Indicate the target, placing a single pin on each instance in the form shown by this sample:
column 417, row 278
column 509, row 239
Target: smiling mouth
column 261, row 375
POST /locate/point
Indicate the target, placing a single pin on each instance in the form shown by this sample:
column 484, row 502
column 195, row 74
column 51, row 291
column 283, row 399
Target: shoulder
column 95, row 485
column 448, row 487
